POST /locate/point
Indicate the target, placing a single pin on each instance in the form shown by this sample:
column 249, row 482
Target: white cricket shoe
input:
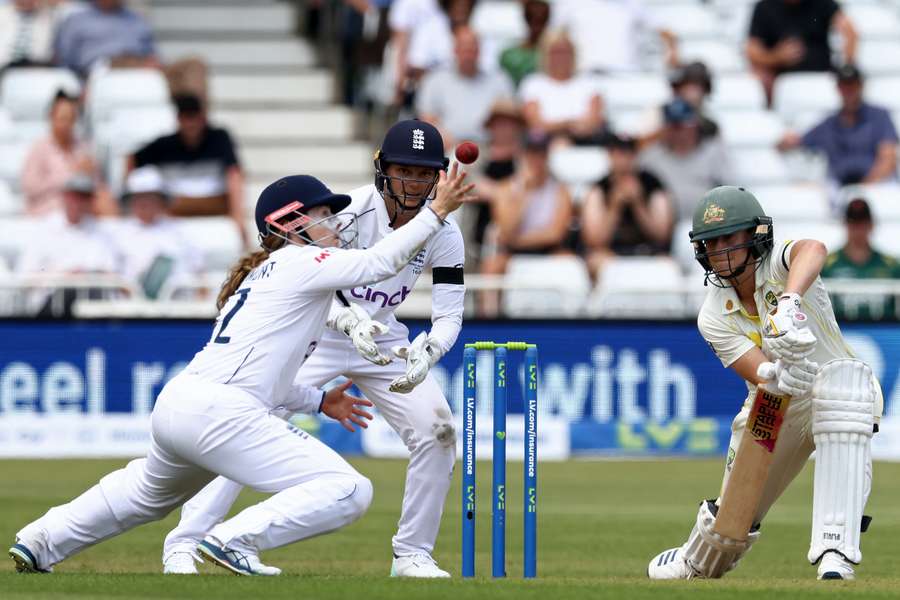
column 416, row 565
column 180, row 563
column 835, row 566
column 670, row 564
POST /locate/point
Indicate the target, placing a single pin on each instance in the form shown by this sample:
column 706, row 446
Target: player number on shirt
column 242, row 297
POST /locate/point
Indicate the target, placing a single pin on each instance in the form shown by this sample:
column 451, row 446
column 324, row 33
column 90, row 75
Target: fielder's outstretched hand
column 344, row 408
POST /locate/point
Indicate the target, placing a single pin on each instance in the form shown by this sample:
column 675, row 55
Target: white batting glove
column 793, row 379
column 356, row 324
column 420, row 357
column 785, row 335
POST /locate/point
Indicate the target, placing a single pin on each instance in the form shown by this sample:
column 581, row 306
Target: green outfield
column 600, row 522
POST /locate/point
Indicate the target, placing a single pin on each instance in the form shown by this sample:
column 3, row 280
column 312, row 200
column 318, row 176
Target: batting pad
column 842, row 421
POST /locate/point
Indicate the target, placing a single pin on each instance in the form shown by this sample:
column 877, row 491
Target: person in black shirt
column 793, row 35
column 627, row 213
column 199, row 165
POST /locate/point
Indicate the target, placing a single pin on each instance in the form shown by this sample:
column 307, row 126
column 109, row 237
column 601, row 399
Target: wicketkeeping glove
column 356, row 323
column 420, row 357
column 785, row 335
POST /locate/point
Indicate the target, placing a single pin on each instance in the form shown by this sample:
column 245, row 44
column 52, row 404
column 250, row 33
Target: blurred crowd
column 192, row 172
column 528, row 102
column 524, row 102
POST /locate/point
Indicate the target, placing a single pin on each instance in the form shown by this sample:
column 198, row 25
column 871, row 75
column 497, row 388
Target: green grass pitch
column 599, row 524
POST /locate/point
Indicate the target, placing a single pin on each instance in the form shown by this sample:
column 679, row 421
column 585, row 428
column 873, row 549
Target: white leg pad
column 709, row 554
column 842, row 420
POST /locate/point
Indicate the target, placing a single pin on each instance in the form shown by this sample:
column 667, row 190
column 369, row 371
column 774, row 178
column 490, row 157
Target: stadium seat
column 687, row 20
column 720, row 56
column 759, row 166
column 501, row 21
column 656, row 281
column 832, row 234
column 563, row 283
column 886, row 239
column 885, row 92
column 797, row 93
column 749, row 128
column 10, row 203
column 16, row 233
column 28, row 132
column 8, row 131
column 873, row 20
column 579, row 167
column 634, row 91
column 737, row 91
column 216, row 237
column 125, row 88
column 26, row 93
column 682, row 249
column 883, row 199
column 794, row 202
column 13, row 154
column 878, row 57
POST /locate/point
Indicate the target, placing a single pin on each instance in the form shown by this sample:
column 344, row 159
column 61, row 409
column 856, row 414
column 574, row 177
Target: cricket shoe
column 670, row 564
column 235, row 561
column 835, row 566
column 416, row 565
column 180, row 563
column 25, row 559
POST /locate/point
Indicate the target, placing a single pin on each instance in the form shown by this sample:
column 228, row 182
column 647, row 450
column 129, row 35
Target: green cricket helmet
column 722, row 211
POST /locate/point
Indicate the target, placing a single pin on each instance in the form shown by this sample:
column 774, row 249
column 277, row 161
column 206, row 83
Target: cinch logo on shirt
column 376, row 297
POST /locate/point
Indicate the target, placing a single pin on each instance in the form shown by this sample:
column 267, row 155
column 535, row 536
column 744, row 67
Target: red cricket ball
column 467, row 153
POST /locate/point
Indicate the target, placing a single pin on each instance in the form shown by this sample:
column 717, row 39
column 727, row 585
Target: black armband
column 451, row 275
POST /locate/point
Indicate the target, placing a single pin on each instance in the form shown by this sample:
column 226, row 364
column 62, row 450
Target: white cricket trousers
column 198, row 430
column 421, row 418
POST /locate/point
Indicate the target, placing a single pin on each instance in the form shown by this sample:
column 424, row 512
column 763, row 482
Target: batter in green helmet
column 749, row 319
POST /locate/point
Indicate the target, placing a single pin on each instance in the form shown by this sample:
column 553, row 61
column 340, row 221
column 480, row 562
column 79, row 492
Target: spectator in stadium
column 859, row 140
column 628, row 212
column 199, row 164
column 26, row 34
column 523, row 59
column 693, row 84
column 505, row 126
column 54, row 159
column 363, row 34
column 105, row 31
column 153, row 249
column 687, row 164
column 457, row 100
column 405, row 18
column 531, row 214
column 607, row 33
column 75, row 244
column 859, row 260
column 794, row 35
column 559, row 103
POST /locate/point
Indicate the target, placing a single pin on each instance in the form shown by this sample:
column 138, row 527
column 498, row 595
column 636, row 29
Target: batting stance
column 214, row 417
column 748, row 319
column 406, row 171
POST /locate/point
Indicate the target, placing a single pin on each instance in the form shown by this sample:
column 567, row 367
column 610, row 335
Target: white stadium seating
column 797, row 93
column 879, row 57
column 579, row 167
column 794, row 203
column 564, row 285
column 657, row 281
column 634, row 91
column 125, row 88
column 756, row 166
column 26, row 93
column 753, row 128
column 883, row 199
column 13, row 154
column 737, row 91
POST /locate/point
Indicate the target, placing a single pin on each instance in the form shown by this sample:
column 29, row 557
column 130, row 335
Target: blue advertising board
column 636, row 387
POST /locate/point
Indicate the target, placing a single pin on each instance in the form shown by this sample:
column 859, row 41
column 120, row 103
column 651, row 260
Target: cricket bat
column 750, row 470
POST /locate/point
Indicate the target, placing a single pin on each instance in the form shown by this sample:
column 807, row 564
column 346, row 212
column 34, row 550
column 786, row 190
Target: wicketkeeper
column 748, row 319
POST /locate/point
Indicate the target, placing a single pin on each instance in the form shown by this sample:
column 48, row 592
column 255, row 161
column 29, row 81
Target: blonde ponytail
column 243, row 267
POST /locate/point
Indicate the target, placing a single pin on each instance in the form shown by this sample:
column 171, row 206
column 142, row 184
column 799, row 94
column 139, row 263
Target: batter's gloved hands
column 793, row 379
column 356, row 323
column 785, row 335
column 420, row 357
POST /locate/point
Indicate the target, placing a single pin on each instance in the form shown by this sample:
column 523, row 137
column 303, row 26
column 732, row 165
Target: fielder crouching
column 836, row 403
